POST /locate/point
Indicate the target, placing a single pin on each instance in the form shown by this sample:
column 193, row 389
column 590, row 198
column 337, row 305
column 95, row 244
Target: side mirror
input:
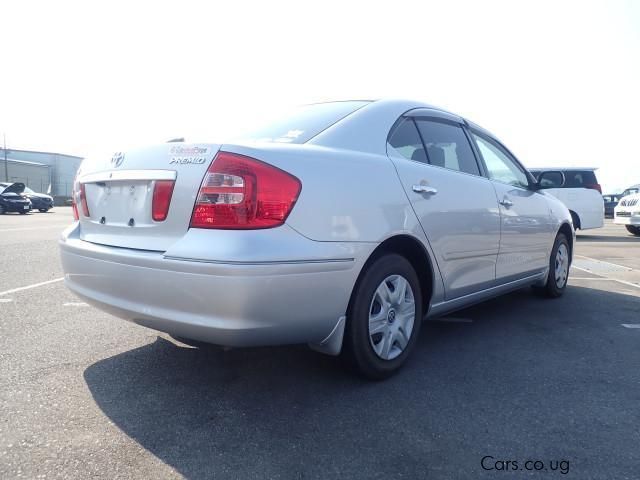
column 550, row 179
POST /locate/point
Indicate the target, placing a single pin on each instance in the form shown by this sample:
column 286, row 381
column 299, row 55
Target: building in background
column 41, row 170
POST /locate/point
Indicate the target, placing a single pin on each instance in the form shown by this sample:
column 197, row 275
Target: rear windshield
column 303, row 123
column 575, row 178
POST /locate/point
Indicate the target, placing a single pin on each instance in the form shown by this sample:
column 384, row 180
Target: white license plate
column 26, row 207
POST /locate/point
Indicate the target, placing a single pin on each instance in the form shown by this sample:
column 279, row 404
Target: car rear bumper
column 226, row 303
column 12, row 207
column 591, row 219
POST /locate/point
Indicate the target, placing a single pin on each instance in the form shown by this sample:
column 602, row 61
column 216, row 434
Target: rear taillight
column 240, row 192
column 83, row 201
column 594, row 186
column 162, row 192
column 74, row 198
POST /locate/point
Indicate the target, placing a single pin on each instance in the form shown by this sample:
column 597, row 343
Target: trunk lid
column 16, row 188
column 119, row 195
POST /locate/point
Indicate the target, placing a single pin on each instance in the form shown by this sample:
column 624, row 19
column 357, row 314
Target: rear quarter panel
column 346, row 196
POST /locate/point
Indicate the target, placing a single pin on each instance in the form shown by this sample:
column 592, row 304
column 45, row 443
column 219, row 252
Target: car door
column 526, row 227
column 456, row 206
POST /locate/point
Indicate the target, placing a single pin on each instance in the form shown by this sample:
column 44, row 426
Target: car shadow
column 624, row 238
column 470, row 389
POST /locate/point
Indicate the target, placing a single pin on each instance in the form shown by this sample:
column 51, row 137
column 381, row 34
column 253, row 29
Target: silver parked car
column 343, row 226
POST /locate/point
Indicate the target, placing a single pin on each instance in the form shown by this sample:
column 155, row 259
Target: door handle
column 506, row 203
column 424, row 189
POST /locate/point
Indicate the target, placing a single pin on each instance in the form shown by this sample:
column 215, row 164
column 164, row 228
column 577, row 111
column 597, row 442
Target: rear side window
column 447, row 146
column 304, row 123
column 405, row 142
column 578, row 179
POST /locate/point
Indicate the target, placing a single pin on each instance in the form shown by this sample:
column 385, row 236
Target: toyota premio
column 343, row 226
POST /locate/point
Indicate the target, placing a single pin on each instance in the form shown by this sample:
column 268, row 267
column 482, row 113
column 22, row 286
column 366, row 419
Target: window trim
column 392, row 130
column 496, row 143
column 433, row 116
column 461, row 126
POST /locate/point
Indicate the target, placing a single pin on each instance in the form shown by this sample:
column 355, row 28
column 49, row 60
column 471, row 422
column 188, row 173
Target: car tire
column 22, row 212
column 43, row 210
column 633, row 230
column 2, row 210
column 388, row 300
column 559, row 264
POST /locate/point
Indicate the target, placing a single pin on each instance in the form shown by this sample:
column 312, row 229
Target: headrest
column 419, row 155
column 436, row 156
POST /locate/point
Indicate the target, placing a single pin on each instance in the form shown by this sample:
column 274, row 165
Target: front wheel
column 384, row 318
column 633, row 230
column 43, row 210
column 558, row 269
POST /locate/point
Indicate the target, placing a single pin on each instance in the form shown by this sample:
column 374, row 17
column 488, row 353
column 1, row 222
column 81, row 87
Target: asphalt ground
column 517, row 379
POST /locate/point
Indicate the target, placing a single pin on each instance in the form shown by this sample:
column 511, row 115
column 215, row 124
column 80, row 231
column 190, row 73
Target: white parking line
column 630, row 325
column 35, row 285
column 60, row 227
column 6, row 300
column 605, row 263
column 75, row 304
column 624, row 282
column 600, row 279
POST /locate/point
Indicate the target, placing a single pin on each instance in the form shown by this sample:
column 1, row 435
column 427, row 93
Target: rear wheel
column 2, row 210
column 632, row 229
column 384, row 318
column 22, row 212
column 558, row 269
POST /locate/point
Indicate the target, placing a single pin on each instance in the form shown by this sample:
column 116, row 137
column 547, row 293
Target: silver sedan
column 343, row 225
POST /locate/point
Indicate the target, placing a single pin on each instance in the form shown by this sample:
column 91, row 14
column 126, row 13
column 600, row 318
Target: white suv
column 582, row 195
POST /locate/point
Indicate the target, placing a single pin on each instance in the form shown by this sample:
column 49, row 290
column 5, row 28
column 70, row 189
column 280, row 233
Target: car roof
column 366, row 129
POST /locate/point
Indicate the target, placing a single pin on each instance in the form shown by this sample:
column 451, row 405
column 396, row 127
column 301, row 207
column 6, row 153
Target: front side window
column 447, row 146
column 500, row 166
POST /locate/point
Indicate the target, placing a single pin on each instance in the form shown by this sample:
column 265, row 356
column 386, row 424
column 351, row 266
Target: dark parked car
column 610, row 202
column 39, row 201
column 12, row 198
